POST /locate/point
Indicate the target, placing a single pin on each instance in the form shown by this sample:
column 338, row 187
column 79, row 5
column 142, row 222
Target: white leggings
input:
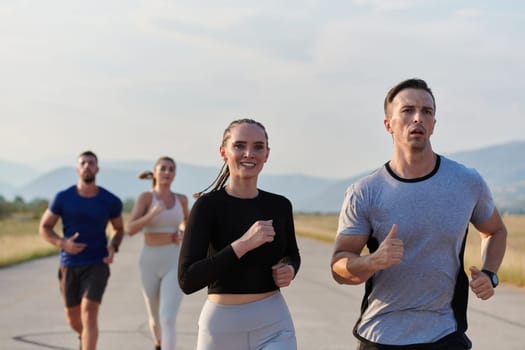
column 264, row 324
column 162, row 294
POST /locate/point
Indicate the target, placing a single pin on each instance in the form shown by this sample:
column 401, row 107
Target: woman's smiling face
column 164, row 171
column 245, row 150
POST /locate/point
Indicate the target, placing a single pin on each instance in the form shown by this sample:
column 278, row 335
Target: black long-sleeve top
column 215, row 221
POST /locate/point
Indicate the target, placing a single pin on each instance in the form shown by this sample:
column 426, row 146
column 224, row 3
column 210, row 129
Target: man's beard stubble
column 89, row 178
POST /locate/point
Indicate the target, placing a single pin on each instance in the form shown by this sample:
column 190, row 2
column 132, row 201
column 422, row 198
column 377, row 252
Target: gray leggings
column 162, row 294
column 264, row 324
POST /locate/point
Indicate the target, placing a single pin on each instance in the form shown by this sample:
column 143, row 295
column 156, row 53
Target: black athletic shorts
column 77, row 282
column 453, row 341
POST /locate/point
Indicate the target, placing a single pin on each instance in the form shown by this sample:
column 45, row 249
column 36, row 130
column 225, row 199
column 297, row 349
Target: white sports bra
column 168, row 220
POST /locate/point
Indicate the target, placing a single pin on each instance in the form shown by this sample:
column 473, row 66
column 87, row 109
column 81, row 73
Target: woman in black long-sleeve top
column 240, row 243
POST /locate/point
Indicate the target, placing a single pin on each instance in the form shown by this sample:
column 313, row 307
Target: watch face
column 495, row 280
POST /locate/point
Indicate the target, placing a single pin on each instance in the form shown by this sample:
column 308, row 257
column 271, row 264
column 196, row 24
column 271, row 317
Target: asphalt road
column 31, row 311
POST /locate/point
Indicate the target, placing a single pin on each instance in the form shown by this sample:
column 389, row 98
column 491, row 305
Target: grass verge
column 20, row 241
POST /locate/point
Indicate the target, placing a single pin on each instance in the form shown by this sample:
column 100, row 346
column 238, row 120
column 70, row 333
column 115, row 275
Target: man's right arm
column 350, row 267
column 46, row 229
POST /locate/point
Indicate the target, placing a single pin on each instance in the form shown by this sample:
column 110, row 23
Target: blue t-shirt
column 89, row 217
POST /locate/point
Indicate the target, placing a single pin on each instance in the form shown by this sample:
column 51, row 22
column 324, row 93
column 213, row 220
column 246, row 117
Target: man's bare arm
column 350, row 267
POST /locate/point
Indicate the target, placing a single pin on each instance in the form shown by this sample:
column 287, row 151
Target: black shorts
column 453, row 341
column 77, row 282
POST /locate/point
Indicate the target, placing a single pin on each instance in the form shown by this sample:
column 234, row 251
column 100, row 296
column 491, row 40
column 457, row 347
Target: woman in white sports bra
column 161, row 214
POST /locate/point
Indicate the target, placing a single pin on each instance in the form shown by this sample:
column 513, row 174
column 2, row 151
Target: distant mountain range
column 502, row 166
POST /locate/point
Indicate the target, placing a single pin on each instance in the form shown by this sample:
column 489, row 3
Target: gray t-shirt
column 411, row 302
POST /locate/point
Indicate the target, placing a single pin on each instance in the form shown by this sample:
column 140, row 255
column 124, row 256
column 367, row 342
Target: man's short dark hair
column 413, row 83
column 89, row 154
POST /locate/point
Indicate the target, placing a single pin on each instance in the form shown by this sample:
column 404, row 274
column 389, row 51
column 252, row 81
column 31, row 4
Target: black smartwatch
column 492, row 276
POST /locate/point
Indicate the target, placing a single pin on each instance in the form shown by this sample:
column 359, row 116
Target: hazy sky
column 139, row 79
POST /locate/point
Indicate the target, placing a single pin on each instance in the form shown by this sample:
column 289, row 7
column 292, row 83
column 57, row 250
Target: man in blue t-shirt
column 85, row 255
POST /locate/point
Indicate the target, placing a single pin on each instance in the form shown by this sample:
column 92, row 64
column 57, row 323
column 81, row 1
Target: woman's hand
column 259, row 233
column 283, row 274
column 157, row 208
column 178, row 236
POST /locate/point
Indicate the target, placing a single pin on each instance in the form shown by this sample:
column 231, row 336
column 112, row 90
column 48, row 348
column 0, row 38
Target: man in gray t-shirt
column 413, row 214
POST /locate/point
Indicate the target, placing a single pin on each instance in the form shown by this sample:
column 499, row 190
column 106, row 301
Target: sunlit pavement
column 31, row 311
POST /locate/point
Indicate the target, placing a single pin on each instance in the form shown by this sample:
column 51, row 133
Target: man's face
column 87, row 168
column 412, row 118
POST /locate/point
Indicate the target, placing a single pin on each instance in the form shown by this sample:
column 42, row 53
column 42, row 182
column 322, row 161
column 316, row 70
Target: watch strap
column 492, row 276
